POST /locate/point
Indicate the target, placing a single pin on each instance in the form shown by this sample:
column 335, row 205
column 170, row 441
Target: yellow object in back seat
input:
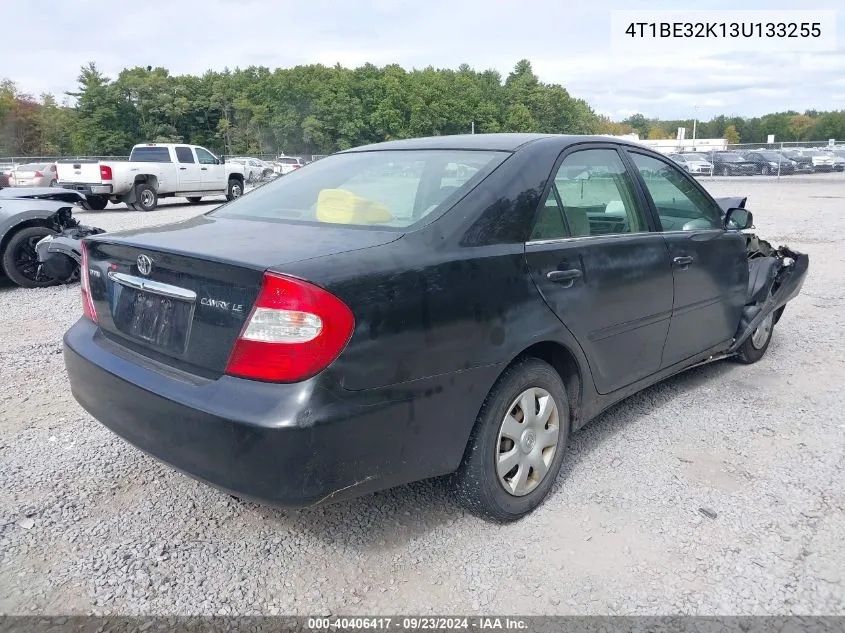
column 341, row 206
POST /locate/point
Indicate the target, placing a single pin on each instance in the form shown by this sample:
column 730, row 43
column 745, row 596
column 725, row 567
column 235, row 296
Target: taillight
column 38, row 174
column 105, row 172
column 295, row 331
column 87, row 302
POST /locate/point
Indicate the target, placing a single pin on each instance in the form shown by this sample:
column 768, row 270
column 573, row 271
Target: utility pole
column 694, row 122
column 473, row 127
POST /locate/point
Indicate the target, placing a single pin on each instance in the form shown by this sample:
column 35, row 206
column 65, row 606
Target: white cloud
column 567, row 43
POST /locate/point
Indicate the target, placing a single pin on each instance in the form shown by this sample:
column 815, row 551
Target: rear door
column 189, row 169
column 213, row 175
column 601, row 267
column 708, row 262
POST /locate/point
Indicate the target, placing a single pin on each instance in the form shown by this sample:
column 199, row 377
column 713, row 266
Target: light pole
column 694, row 123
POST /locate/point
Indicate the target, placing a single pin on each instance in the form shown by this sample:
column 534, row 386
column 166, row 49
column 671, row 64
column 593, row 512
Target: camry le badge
column 145, row 265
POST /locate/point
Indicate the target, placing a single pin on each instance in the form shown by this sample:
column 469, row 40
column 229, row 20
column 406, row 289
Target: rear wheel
column 766, row 170
column 756, row 345
column 96, row 203
column 517, row 445
column 52, row 183
column 194, row 199
column 20, row 261
column 726, row 171
column 146, row 198
column 235, row 189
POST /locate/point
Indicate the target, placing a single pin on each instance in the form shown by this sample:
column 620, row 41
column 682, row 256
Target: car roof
column 507, row 142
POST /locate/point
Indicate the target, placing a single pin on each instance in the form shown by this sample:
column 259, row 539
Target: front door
column 188, row 169
column 709, row 263
column 213, row 174
column 601, row 268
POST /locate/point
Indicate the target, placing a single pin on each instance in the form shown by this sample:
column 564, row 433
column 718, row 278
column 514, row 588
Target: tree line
column 316, row 109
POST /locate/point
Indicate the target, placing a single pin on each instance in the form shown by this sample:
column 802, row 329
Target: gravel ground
column 721, row 491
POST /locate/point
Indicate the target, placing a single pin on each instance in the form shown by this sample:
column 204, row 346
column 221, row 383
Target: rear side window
column 184, row 155
column 597, row 194
column 150, row 155
column 375, row 188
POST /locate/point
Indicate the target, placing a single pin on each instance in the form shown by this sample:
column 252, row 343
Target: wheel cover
column 25, row 259
column 236, row 191
column 762, row 333
column 527, row 442
column 147, row 198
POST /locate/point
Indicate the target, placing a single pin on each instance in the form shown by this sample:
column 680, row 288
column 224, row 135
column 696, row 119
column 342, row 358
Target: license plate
column 159, row 321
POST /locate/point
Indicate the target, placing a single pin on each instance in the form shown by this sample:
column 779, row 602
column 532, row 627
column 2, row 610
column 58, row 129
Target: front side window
column 205, row 157
column 373, row 188
column 597, row 195
column 680, row 204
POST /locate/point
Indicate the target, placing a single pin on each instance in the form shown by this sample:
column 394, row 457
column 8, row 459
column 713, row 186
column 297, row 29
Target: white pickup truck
column 153, row 171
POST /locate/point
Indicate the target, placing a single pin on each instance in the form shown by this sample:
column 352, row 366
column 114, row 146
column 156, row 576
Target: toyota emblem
column 145, row 265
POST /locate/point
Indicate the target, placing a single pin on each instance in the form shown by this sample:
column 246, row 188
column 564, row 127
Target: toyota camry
column 456, row 305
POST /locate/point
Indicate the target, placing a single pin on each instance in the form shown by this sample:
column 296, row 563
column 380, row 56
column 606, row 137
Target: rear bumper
column 291, row 445
column 87, row 188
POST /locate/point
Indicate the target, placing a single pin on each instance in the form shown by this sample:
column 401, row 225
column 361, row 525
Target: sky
column 44, row 47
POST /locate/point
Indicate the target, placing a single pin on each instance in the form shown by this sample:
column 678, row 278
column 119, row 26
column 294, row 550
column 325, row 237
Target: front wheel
column 516, row 447
column 20, row 260
column 766, row 170
column 755, row 346
column 726, row 171
column 235, row 189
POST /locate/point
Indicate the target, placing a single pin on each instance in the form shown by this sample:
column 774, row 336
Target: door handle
column 562, row 276
column 683, row 261
column 182, row 168
column 204, row 168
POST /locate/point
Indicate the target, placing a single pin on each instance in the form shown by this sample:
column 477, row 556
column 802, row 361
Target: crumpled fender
column 782, row 287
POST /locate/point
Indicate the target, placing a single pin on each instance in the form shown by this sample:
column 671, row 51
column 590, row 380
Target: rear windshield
column 730, row 158
column 375, row 188
column 33, row 167
column 289, row 161
column 150, row 155
column 695, row 157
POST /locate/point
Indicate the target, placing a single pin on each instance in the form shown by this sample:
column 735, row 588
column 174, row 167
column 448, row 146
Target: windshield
column 772, row 156
column 695, row 157
column 375, row 188
column 729, row 158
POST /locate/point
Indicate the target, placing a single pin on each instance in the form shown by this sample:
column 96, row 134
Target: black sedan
column 770, row 163
column 732, row 164
column 348, row 328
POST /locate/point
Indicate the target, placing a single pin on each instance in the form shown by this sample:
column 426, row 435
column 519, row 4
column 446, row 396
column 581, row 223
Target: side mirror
column 738, row 219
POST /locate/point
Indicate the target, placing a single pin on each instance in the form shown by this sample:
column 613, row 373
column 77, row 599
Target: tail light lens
column 87, row 302
column 38, row 174
column 295, row 331
column 105, row 172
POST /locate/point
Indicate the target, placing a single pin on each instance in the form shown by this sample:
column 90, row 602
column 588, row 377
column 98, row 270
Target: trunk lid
column 81, row 171
column 181, row 293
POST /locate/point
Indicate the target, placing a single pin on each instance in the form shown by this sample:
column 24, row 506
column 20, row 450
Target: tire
column 194, row 199
column 20, row 261
column 235, row 189
column 52, row 183
column 756, row 345
column 132, row 206
column 96, row 203
column 765, row 170
column 477, row 484
column 726, row 171
column 146, row 198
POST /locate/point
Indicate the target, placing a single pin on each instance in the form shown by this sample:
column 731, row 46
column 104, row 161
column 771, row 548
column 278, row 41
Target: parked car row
column 766, row 162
